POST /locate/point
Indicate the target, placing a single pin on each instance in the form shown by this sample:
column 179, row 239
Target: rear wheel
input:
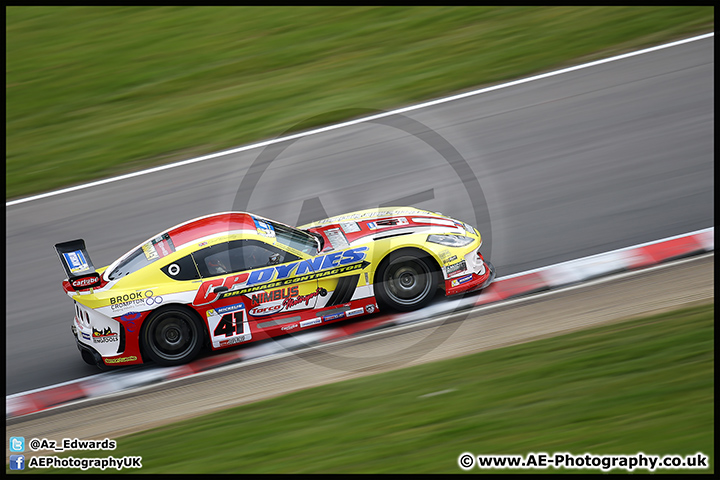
column 406, row 280
column 172, row 336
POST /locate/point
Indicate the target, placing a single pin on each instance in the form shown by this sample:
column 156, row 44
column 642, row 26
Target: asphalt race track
column 569, row 166
column 600, row 302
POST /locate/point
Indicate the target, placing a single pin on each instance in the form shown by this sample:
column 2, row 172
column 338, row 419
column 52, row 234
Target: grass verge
column 96, row 91
column 640, row 386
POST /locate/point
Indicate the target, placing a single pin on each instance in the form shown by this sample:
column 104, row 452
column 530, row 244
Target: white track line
column 359, row 120
column 500, row 304
column 599, row 255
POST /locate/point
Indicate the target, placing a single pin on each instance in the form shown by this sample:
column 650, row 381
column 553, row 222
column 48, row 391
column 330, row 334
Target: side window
column 183, row 269
column 239, row 255
column 213, row 260
column 257, row 255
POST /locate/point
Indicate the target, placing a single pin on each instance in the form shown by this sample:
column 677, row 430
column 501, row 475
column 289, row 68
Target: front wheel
column 172, row 336
column 406, row 281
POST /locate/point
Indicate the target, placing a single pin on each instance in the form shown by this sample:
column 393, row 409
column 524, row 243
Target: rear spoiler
column 77, row 264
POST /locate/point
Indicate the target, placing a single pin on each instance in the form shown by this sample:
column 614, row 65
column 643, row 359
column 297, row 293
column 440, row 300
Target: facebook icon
column 17, row 462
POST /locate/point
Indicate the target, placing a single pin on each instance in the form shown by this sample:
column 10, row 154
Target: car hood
column 351, row 228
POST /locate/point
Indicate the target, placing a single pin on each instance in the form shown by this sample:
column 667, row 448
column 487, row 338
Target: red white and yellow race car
column 232, row 278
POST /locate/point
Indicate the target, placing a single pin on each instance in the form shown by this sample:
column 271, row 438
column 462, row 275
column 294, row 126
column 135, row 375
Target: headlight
column 450, row 240
column 470, row 229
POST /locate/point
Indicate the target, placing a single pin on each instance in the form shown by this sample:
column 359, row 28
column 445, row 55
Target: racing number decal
column 229, row 325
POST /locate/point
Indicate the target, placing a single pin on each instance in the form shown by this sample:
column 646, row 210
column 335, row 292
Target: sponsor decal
column 136, row 300
column 307, row 323
column 291, row 302
column 350, row 227
column 337, row 238
column 235, row 340
column 370, row 308
column 104, row 336
column 265, row 310
column 85, row 282
column 150, row 252
column 264, row 228
column 119, row 307
column 334, row 263
column 388, row 222
column 279, row 294
column 391, row 222
column 354, row 312
column 228, row 325
column 300, row 279
column 444, row 254
column 174, row 269
column 128, row 321
column 368, row 215
column 450, row 259
column 162, row 248
column 288, row 303
column 130, row 316
column 461, row 266
column 289, row 327
column 202, row 244
column 158, row 247
column 76, row 260
column 86, row 336
column 229, row 308
column 150, row 301
column 137, row 295
column 131, row 358
column 334, row 316
column 461, row 280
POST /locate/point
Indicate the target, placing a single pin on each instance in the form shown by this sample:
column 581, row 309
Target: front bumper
column 471, row 282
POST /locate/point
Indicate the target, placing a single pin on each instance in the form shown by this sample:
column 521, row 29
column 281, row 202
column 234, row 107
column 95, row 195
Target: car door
column 252, row 285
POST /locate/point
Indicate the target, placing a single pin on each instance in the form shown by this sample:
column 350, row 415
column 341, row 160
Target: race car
column 232, row 278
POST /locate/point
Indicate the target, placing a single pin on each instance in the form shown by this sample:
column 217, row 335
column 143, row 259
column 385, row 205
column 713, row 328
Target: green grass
column 95, row 91
column 641, row 386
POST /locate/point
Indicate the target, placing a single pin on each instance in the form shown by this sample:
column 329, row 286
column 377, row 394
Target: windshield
column 143, row 256
column 294, row 238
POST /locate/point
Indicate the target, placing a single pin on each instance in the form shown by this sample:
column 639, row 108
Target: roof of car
column 211, row 225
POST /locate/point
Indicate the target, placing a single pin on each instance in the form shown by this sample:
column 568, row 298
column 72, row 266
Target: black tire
column 172, row 336
column 406, row 280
